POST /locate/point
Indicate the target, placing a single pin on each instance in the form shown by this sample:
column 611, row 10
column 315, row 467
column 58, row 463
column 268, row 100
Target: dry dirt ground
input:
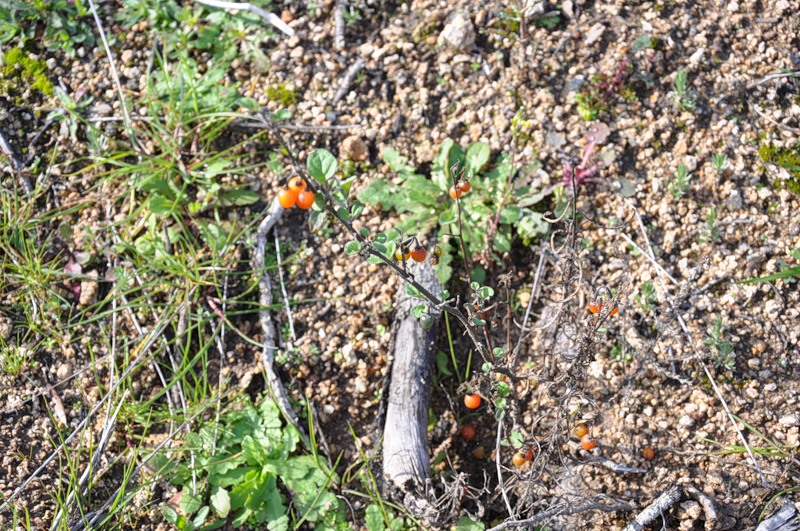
column 644, row 384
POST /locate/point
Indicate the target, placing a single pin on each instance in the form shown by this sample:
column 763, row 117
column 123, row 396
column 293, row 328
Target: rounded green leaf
column 485, row 292
column 321, row 165
column 352, row 248
column 419, row 310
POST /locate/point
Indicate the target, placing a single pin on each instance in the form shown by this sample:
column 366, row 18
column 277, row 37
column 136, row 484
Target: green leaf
column 498, row 352
column 189, row 502
column 443, row 363
column 201, row 516
column 343, row 213
column 485, row 292
column 478, row 322
column 419, row 310
column 477, row 156
column 486, row 367
column 465, row 523
column 356, row 208
column 221, row 502
column 281, row 115
column 412, row 291
column 352, row 248
column 501, row 242
column 321, row 165
column 373, row 518
column 160, row 205
column 503, row 389
column 317, row 219
column 239, row 198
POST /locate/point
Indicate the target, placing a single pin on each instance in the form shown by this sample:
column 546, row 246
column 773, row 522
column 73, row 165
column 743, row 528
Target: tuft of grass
column 721, row 349
column 710, row 231
column 680, row 184
column 683, row 96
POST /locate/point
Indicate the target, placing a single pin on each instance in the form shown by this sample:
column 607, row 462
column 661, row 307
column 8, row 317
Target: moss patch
column 20, row 70
column 282, row 95
column 788, row 158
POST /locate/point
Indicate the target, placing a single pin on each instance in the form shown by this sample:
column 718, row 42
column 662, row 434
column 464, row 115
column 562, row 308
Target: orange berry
column 518, row 459
column 472, row 401
column 588, row 443
column 614, row 310
column 419, row 254
column 595, row 306
column 287, row 197
column 297, row 184
column 648, row 453
column 580, row 430
column 455, row 193
column 464, row 186
column 305, row 199
column 529, row 454
column 468, row 432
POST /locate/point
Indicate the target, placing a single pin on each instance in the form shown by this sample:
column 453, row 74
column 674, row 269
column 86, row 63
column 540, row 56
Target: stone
column 459, row 32
column 353, row 148
column 594, row 33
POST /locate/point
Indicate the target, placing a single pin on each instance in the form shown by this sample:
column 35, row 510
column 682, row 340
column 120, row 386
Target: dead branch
column 246, row 6
column 338, row 18
column 655, row 509
column 349, row 77
column 785, row 519
column 406, row 464
column 562, row 510
column 268, row 342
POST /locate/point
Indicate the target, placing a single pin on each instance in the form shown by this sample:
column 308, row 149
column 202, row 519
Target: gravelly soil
column 413, row 93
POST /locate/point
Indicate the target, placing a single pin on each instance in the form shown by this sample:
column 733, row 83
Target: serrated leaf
column 321, row 165
column 353, row 247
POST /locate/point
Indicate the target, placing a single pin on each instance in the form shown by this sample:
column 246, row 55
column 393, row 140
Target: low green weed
column 495, row 211
column 683, row 96
column 680, row 184
column 710, row 231
column 58, row 24
column 248, row 472
column 722, row 349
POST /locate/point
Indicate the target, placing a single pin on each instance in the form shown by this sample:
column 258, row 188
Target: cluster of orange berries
column 413, row 250
column 295, row 193
column 459, row 189
column 581, row 431
column 597, row 307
